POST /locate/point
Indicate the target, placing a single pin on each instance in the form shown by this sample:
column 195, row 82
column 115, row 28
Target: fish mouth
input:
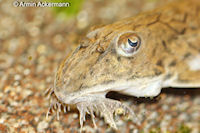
column 93, row 100
column 92, row 105
column 144, row 87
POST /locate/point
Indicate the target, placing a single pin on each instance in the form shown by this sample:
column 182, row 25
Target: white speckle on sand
column 165, row 107
column 88, row 129
column 42, row 126
column 2, row 120
column 27, row 71
column 135, row 131
column 17, row 77
column 183, row 117
column 75, row 116
column 154, row 115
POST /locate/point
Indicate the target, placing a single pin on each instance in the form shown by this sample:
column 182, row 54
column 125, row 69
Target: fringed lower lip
column 55, row 105
column 91, row 104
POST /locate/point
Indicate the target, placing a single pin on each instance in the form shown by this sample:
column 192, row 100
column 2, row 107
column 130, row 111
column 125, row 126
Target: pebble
column 28, row 129
column 182, row 106
column 36, row 119
column 167, row 117
column 17, row 77
column 41, row 49
column 153, row 115
column 42, row 126
column 88, row 129
column 27, row 71
column 34, row 31
column 165, row 107
column 197, row 100
column 195, row 115
column 16, row 83
column 135, row 131
column 23, row 122
column 57, row 39
column 183, row 117
column 75, row 116
column 28, row 60
column 70, row 119
column 2, row 120
column 164, row 125
column 14, row 103
column 26, row 93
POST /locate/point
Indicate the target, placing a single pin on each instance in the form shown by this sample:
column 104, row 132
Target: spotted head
column 110, row 58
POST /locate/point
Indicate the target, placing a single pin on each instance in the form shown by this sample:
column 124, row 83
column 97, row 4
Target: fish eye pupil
column 127, row 44
column 133, row 44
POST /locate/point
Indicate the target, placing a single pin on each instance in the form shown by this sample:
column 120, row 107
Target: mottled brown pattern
column 166, row 36
column 161, row 27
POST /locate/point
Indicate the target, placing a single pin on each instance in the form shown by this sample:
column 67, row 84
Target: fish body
column 137, row 56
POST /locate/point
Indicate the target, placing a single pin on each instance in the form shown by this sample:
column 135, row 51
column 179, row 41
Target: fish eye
column 128, row 44
column 132, row 43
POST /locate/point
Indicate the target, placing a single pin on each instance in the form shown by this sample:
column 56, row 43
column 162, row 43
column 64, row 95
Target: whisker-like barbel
column 136, row 56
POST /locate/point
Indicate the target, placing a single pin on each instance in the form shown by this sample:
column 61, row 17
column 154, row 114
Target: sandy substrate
column 33, row 42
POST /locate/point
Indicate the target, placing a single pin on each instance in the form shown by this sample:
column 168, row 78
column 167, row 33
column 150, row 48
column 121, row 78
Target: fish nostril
column 100, row 49
column 84, row 42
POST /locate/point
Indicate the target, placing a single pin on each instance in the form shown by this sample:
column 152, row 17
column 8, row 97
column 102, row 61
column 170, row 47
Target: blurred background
column 34, row 40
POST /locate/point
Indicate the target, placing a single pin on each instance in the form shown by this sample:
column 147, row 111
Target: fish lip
column 144, row 87
column 74, row 98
